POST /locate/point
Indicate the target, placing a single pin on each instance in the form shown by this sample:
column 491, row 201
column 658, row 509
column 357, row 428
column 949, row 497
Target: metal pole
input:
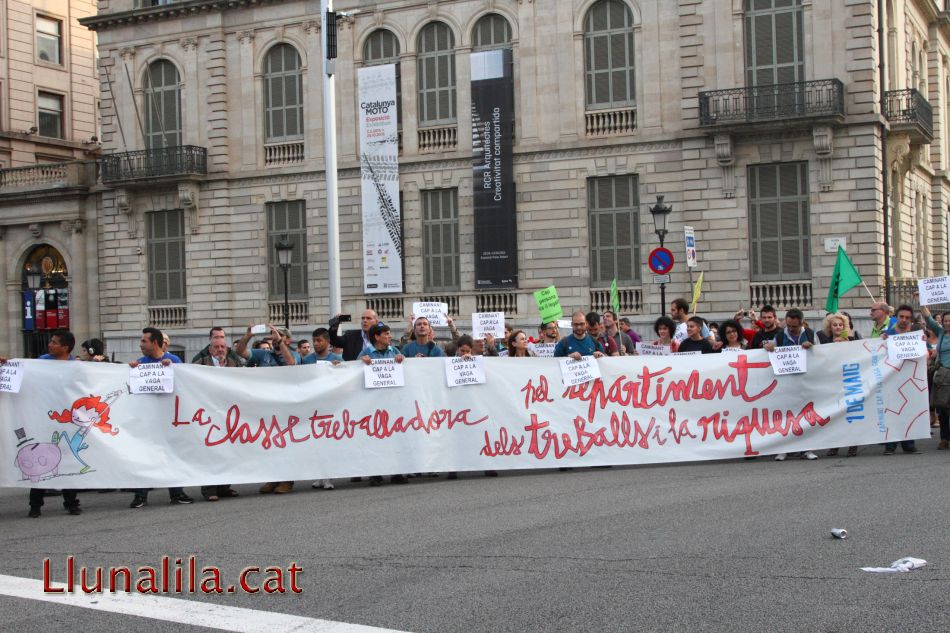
column 286, row 298
column 329, row 138
column 662, row 235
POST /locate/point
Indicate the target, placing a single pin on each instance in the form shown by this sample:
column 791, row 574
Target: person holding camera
column 352, row 342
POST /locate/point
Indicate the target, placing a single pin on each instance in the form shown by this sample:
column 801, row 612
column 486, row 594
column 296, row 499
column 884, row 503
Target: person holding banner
column 880, row 315
column 152, row 346
column 381, row 338
column 940, row 395
column 596, row 329
column 321, row 349
column 60, row 347
column 352, row 342
column 626, row 344
column 579, row 343
column 768, row 330
column 664, row 327
column 217, row 356
column 422, row 345
column 903, row 324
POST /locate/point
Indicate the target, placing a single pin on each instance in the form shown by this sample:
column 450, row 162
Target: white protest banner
column 648, row 349
column 11, row 376
column 434, row 311
column 543, row 350
column 382, row 373
column 906, row 346
column 460, row 371
column 934, row 290
column 379, row 179
column 316, row 421
column 789, row 360
column 488, row 323
column 151, row 378
column 578, row 372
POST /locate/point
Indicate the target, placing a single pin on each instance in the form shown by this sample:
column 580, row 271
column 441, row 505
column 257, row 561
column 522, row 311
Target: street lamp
column 660, row 214
column 285, row 249
column 34, row 278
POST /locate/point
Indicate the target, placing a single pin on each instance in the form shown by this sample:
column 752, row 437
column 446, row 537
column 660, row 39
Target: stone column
column 7, row 344
column 78, row 288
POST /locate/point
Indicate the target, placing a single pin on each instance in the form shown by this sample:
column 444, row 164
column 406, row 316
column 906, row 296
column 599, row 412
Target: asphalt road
column 712, row 546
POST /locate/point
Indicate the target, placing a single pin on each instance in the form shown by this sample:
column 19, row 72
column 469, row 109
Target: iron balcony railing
column 180, row 160
column 776, row 102
column 909, row 107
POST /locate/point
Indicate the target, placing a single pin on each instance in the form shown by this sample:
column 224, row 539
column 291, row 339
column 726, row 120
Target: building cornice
column 167, row 12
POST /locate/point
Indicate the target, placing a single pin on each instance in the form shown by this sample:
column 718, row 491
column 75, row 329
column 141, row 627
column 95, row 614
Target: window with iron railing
column 609, row 56
column 165, row 245
column 435, row 67
column 287, row 218
column 162, row 97
column 440, row 240
column 283, row 94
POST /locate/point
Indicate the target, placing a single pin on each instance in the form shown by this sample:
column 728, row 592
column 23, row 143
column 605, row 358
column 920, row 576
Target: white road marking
column 191, row 612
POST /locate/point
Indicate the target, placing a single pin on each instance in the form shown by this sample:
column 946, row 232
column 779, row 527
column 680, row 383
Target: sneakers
column 34, row 512
column 889, row 451
column 914, row 451
column 74, row 510
column 781, row 457
column 322, row 484
column 809, row 455
column 943, row 445
column 181, row 500
column 283, row 487
column 138, row 502
column 268, row 488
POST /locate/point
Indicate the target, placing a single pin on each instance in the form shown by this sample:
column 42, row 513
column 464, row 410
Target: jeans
column 69, row 498
column 944, row 416
column 906, row 445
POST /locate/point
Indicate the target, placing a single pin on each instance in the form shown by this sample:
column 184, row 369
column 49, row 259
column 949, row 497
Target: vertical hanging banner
column 496, row 243
column 379, row 174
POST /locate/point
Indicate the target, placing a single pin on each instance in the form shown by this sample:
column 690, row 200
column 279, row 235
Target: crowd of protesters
column 592, row 334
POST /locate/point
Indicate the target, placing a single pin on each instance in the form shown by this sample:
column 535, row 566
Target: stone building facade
column 49, row 90
column 761, row 122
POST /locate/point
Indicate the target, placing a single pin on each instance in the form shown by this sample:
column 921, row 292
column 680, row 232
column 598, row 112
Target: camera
column 345, row 318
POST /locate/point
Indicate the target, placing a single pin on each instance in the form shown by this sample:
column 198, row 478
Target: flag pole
column 863, row 283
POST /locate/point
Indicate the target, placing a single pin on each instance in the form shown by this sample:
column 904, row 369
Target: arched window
column 609, row 55
column 435, row 68
column 283, row 94
column 162, row 105
column 382, row 47
column 491, row 31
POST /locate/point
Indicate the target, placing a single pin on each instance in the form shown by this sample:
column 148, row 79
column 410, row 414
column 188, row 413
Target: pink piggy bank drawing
column 38, row 459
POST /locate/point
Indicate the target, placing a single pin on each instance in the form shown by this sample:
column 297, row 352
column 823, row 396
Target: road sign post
column 660, row 262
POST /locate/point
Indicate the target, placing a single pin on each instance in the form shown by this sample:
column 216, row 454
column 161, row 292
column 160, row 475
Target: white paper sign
column 680, row 335
column 382, row 373
column 648, row 349
column 788, row 360
column 543, row 350
column 432, row 310
column 577, row 372
column 11, row 376
column 934, row 290
column 692, row 353
column 564, row 324
column 906, row 346
column 460, row 372
column 151, row 378
column 488, row 323
column 731, row 350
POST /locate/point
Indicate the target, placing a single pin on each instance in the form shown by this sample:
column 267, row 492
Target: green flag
column 844, row 278
column 615, row 298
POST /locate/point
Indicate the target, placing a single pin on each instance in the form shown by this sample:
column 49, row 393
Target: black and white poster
column 496, row 239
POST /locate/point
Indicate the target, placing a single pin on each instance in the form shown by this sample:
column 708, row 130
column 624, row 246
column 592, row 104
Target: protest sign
column 648, row 349
column 731, row 350
column 934, row 290
column 543, row 350
column 434, row 311
column 151, row 378
column 906, row 346
column 549, row 305
column 789, row 360
column 692, row 353
column 460, row 371
column 11, row 376
column 382, row 373
column 316, row 421
column 488, row 323
column 578, row 372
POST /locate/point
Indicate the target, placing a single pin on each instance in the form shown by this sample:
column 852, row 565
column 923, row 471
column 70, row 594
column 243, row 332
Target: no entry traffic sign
column 660, row 261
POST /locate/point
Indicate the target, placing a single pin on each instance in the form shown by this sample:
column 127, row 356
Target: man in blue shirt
column 321, row 349
column 579, row 343
column 152, row 348
column 279, row 354
column 60, row 347
column 903, row 325
column 423, row 346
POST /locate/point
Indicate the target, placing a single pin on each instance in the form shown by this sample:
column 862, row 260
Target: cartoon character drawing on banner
column 86, row 412
column 36, row 460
